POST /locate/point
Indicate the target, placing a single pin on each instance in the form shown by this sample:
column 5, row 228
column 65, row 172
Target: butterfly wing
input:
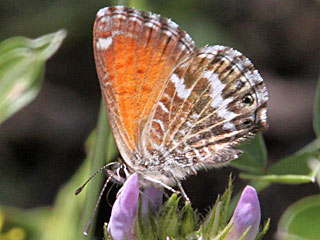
column 212, row 101
column 135, row 53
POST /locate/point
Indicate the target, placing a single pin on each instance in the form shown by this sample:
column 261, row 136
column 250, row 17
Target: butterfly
column 173, row 109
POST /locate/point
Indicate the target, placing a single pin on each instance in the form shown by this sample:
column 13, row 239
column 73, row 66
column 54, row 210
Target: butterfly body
column 173, row 108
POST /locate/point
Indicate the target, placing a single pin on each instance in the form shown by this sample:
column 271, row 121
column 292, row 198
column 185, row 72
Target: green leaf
column 315, row 165
column 210, row 224
column 264, row 230
column 222, row 234
column 285, row 178
column 188, row 220
column 301, row 220
column 22, row 64
column 312, row 147
column 297, row 164
column 294, row 169
column 225, row 200
column 245, row 233
column 66, row 220
column 105, row 232
column 103, row 146
column 217, row 217
column 63, row 222
column 316, row 112
column 254, row 157
column 146, row 227
column 21, row 219
column 294, row 165
column 169, row 220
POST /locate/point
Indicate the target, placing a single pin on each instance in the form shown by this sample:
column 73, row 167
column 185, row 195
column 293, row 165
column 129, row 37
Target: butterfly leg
column 182, row 190
column 161, row 183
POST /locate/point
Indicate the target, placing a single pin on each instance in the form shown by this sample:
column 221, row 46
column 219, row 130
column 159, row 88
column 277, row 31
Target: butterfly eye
column 247, row 99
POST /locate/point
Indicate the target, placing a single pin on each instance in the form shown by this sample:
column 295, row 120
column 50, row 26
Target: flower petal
column 246, row 214
column 151, row 199
column 124, row 210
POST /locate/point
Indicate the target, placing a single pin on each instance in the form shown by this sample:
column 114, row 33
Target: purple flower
column 151, row 200
column 122, row 225
column 124, row 211
column 247, row 214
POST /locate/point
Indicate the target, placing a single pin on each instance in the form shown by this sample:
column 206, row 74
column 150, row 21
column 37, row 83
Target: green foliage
column 301, row 220
column 19, row 218
column 185, row 223
column 169, row 220
column 294, row 169
column 59, row 222
column 217, row 217
column 105, row 232
column 68, row 217
column 14, row 233
column 189, row 219
column 264, row 230
column 101, row 151
column 254, row 157
column 22, row 64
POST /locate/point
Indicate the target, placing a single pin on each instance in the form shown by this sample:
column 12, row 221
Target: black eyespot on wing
column 248, row 99
column 247, row 122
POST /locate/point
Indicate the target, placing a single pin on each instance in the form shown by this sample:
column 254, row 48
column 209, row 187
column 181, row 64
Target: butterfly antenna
column 93, row 175
column 86, row 230
column 108, row 193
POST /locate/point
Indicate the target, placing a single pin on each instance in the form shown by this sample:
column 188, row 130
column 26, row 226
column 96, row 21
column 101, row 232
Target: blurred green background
column 42, row 145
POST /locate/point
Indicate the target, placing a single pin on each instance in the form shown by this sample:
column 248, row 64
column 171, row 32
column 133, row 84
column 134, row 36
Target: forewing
column 211, row 102
column 135, row 53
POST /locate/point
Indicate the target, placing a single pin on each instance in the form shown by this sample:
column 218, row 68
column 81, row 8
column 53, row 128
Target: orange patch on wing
column 161, row 61
column 137, row 64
